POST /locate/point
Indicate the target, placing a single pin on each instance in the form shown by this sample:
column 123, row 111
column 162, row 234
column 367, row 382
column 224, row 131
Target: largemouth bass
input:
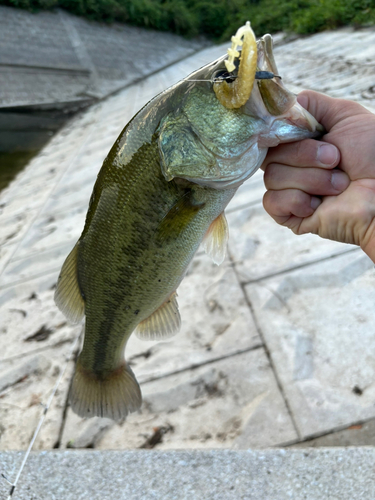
column 162, row 190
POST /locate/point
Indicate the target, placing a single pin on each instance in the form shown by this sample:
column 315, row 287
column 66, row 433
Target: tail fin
column 112, row 397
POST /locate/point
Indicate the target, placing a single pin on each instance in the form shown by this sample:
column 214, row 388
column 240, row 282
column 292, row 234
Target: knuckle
column 268, row 176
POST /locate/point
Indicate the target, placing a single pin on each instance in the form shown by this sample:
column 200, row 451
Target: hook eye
column 223, row 75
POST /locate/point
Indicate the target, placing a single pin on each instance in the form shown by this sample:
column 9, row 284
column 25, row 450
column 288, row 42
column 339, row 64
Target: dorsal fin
column 163, row 323
column 68, row 295
column 216, row 239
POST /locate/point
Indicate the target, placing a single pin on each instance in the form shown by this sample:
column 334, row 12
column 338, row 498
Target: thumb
column 328, row 110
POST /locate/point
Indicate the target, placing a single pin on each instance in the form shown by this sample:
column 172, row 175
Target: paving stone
column 30, row 318
column 234, row 401
column 12, row 229
column 21, row 405
column 260, row 247
column 26, row 268
column 23, row 369
column 50, row 230
column 93, row 430
column 342, row 71
column 318, row 324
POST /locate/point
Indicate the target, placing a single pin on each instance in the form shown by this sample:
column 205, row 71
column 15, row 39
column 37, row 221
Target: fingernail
column 327, row 154
column 339, row 180
column 315, row 202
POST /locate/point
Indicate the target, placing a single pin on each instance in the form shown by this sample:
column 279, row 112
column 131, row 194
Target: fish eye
column 223, row 75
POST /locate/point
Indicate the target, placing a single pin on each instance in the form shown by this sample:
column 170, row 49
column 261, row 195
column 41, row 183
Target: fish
column 160, row 194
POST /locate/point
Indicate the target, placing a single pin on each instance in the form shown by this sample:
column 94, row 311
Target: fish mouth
column 280, row 102
column 254, row 62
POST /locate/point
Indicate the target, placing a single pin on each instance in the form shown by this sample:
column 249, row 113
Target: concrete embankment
column 277, row 346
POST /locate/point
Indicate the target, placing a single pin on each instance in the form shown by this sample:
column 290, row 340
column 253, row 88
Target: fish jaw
column 295, row 125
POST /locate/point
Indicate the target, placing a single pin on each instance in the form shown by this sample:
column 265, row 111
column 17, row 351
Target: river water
column 24, row 131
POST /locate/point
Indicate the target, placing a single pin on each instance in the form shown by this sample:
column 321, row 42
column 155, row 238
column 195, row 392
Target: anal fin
column 163, row 323
column 68, row 295
column 216, row 239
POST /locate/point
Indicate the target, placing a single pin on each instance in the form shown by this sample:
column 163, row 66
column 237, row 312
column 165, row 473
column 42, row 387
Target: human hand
column 305, row 191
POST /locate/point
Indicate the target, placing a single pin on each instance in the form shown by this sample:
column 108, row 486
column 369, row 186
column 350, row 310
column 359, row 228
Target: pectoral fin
column 163, row 323
column 178, row 217
column 68, row 295
column 216, row 239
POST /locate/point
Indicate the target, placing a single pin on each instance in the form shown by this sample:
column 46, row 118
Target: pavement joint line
column 203, row 363
column 35, row 351
column 46, row 250
column 300, row 266
column 267, row 352
column 53, row 69
column 80, row 50
column 30, row 278
column 73, row 358
column 334, row 430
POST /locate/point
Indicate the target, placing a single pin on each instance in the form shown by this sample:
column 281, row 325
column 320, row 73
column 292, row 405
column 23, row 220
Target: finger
column 328, row 110
column 314, row 181
column 290, row 206
column 307, row 153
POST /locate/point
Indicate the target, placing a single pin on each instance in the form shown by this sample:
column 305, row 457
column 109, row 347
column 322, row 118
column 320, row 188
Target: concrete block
column 30, row 320
column 21, row 405
column 29, row 267
column 13, row 228
column 318, row 325
column 260, row 247
column 50, row 230
column 22, row 370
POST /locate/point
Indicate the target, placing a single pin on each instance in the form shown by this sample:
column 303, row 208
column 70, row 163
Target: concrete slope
column 53, row 56
column 277, row 344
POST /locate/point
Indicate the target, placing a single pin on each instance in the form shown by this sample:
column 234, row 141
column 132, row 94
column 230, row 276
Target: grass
column 218, row 19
